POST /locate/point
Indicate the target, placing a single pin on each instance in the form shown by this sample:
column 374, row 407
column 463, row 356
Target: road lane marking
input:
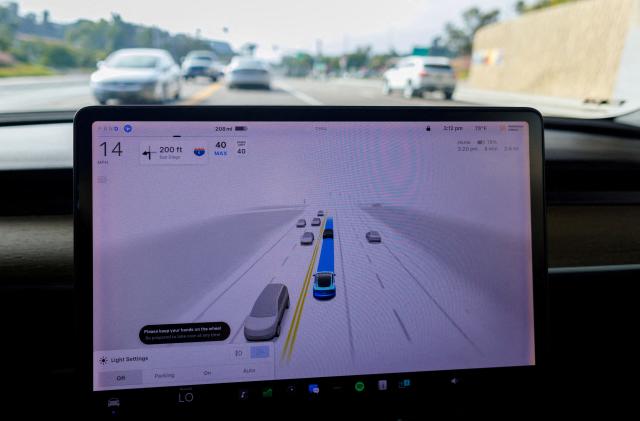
column 437, row 304
column 346, row 298
column 307, row 99
column 369, row 258
column 285, row 260
column 202, row 313
column 304, row 299
column 202, row 94
column 380, row 280
column 295, row 321
column 404, row 329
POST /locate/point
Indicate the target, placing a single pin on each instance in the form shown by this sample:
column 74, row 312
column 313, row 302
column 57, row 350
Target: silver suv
column 263, row 323
column 415, row 75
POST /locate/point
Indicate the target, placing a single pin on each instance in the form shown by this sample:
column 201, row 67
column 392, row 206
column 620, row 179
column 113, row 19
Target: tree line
column 27, row 39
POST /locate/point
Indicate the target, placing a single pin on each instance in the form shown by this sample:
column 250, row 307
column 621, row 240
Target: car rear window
column 324, row 281
column 134, row 62
column 438, row 67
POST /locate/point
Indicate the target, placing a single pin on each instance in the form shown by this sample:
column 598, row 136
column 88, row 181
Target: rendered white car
column 415, row 75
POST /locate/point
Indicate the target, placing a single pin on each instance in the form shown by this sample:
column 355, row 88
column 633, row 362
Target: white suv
column 414, row 75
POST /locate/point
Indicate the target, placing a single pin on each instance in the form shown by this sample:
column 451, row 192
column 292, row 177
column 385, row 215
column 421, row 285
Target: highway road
column 72, row 92
column 397, row 306
column 407, row 303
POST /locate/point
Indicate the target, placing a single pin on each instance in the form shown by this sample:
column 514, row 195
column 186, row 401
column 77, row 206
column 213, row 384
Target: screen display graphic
column 244, row 251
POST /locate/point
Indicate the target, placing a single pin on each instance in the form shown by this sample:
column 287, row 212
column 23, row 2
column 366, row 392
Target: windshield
column 567, row 58
column 265, row 305
column 324, row 281
column 438, row 67
column 133, row 62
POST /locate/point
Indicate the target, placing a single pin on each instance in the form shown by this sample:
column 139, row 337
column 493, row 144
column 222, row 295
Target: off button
column 119, row 378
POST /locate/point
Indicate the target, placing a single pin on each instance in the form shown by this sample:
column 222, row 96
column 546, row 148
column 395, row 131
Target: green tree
column 298, row 65
column 8, row 25
column 459, row 39
column 523, row 7
column 381, row 61
column 59, row 56
column 358, row 58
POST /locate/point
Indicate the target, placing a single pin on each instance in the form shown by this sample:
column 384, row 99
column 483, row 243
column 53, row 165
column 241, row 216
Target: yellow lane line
column 303, row 295
column 202, row 94
column 298, row 303
column 304, row 298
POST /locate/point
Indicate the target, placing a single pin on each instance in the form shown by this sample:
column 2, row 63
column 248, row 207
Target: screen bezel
column 83, row 215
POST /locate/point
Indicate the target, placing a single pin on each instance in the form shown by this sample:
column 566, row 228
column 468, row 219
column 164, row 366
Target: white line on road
column 433, row 300
column 346, row 296
column 307, row 99
column 203, row 312
column 404, row 329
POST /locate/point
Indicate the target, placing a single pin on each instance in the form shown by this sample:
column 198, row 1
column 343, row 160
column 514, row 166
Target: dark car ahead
column 202, row 63
column 374, row 237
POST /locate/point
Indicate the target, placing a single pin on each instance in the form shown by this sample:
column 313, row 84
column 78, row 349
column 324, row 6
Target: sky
column 279, row 26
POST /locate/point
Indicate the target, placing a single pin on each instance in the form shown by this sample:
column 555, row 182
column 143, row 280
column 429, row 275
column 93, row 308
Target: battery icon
column 241, row 128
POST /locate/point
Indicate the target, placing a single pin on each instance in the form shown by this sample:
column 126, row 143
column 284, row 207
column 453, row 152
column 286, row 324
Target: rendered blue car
column 324, row 285
column 324, row 282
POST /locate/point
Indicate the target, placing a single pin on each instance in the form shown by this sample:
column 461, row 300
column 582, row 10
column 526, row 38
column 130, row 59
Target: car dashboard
column 593, row 209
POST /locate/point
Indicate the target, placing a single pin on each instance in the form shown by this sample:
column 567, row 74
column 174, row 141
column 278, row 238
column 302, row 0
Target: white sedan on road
column 247, row 72
column 136, row 75
column 415, row 75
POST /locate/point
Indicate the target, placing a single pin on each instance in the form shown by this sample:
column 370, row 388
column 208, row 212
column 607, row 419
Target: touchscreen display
column 243, row 251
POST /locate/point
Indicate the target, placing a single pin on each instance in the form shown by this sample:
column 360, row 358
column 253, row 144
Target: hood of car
column 109, row 74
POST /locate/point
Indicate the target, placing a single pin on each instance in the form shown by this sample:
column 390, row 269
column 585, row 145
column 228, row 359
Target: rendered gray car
column 315, row 222
column 263, row 323
column 320, row 213
column 301, row 223
column 307, row 238
column 374, row 237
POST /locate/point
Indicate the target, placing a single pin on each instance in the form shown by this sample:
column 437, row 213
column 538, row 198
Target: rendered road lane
column 183, row 275
column 395, row 308
column 457, row 270
column 394, row 324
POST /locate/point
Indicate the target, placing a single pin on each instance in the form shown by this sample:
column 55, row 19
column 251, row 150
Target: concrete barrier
column 580, row 59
